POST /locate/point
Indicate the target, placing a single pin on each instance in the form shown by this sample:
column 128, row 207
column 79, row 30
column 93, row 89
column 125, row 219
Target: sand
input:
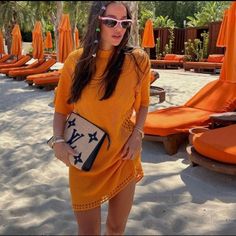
column 173, row 198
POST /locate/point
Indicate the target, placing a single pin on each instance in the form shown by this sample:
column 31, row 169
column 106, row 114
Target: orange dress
column 109, row 173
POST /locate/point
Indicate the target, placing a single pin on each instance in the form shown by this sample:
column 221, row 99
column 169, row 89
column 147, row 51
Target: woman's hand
column 133, row 146
column 62, row 152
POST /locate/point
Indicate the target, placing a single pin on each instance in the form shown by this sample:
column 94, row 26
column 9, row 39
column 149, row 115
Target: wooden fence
column 182, row 35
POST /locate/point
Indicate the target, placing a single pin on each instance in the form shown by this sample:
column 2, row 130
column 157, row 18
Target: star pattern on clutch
column 78, row 158
column 93, row 137
column 71, row 123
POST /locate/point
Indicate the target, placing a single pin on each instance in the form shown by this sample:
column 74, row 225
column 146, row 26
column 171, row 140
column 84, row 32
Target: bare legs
column 119, row 209
column 89, row 222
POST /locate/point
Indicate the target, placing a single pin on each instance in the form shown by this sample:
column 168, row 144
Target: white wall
column 26, row 47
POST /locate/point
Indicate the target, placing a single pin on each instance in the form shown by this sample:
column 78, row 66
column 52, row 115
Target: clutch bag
column 85, row 138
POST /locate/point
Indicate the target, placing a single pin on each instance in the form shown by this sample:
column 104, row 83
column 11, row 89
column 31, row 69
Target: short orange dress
column 109, row 173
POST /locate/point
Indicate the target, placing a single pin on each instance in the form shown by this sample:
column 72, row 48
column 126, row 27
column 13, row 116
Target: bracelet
column 58, row 140
column 55, row 137
column 140, row 131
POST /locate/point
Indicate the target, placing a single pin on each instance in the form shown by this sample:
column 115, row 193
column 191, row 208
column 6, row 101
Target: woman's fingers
column 71, row 151
column 124, row 151
column 129, row 154
column 63, row 151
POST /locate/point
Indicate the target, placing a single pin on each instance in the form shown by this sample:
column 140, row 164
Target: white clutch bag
column 85, row 138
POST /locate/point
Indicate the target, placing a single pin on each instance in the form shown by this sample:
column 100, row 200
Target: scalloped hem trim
column 91, row 205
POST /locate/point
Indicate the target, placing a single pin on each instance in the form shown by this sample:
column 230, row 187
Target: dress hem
column 87, row 206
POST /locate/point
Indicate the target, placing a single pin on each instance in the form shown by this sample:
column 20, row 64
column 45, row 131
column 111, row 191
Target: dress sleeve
column 145, row 82
column 63, row 90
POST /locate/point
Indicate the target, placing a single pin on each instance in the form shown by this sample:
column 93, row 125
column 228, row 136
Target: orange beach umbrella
column 148, row 36
column 16, row 45
column 76, row 32
column 228, row 70
column 48, row 40
column 65, row 43
column 37, row 41
column 221, row 40
column 1, row 43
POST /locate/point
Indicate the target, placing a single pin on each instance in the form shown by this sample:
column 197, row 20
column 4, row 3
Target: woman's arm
column 140, row 118
column 59, row 121
column 134, row 143
column 61, row 149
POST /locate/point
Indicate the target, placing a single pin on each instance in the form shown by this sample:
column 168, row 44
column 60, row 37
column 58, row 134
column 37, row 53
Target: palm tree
column 163, row 21
column 13, row 12
column 211, row 11
column 78, row 12
column 134, row 37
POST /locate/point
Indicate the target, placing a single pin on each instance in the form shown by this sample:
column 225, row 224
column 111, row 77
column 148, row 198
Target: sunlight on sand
column 173, row 197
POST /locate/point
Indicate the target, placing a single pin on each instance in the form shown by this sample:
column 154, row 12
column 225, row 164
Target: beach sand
column 173, row 198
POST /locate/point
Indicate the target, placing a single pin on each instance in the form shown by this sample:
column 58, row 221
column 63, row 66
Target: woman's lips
column 116, row 36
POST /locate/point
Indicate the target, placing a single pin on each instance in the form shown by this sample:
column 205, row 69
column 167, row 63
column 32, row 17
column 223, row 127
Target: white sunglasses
column 112, row 22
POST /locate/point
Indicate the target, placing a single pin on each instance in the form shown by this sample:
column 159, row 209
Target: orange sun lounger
column 171, row 125
column 20, row 62
column 169, row 61
column 5, row 58
column 33, row 65
column 48, row 79
column 213, row 62
column 49, row 82
column 215, row 149
column 11, row 59
column 21, row 74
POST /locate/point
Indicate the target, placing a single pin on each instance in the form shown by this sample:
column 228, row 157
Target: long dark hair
column 86, row 65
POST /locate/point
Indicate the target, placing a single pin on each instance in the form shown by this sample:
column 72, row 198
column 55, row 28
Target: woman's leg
column 89, row 222
column 119, row 209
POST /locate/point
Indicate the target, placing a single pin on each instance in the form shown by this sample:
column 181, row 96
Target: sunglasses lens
column 126, row 24
column 110, row 23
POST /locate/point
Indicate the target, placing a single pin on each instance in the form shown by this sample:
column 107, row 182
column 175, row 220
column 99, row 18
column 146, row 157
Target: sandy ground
column 173, row 198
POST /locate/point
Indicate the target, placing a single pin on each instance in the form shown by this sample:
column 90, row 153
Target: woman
column 104, row 82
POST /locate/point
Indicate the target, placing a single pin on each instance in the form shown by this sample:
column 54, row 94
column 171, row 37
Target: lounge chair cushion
column 20, row 62
column 215, row 58
column 216, row 96
column 169, row 56
column 218, row 144
column 40, row 69
column 174, row 120
column 5, row 58
column 178, row 58
column 44, row 75
column 47, row 80
column 29, row 66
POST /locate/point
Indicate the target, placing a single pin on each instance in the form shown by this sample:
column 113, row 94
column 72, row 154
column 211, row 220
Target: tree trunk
column 56, row 25
column 134, row 37
column 8, row 31
column 8, row 37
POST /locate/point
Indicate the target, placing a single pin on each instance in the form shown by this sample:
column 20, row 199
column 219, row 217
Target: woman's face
column 112, row 32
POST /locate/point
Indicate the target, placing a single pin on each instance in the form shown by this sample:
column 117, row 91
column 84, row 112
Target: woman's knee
column 88, row 230
column 89, row 222
column 115, row 228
